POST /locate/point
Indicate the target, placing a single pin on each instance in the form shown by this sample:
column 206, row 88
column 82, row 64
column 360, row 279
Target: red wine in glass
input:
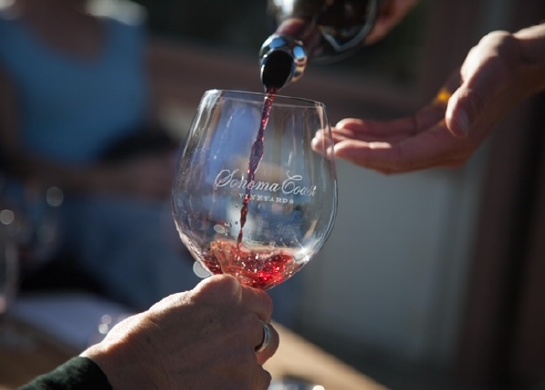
column 261, row 268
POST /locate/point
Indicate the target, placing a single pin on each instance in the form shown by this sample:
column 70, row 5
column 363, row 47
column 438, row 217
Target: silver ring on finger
column 267, row 338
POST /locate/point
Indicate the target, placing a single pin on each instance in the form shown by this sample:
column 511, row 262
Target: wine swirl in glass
column 251, row 197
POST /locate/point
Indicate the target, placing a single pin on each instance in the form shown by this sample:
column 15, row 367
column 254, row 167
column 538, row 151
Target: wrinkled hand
column 201, row 339
column 493, row 79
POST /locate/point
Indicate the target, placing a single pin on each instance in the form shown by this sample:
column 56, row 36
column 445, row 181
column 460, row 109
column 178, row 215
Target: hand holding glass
column 250, row 196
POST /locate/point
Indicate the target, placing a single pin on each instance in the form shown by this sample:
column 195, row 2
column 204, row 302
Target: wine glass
column 251, row 198
column 10, row 227
column 9, row 259
column 28, row 239
column 42, row 209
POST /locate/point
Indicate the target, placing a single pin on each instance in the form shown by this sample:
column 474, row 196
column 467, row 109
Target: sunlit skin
column 498, row 73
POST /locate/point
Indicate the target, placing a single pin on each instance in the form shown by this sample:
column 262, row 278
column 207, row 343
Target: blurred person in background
column 78, row 97
column 75, row 113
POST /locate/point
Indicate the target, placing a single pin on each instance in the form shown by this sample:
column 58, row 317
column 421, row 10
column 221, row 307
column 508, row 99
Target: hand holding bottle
column 391, row 13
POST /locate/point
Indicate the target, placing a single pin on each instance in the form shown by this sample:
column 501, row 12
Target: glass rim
column 280, row 100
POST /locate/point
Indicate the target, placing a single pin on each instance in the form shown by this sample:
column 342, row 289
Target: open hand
column 493, row 79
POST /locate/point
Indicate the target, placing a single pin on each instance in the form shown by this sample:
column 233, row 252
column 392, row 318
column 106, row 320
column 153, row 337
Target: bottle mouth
column 276, row 69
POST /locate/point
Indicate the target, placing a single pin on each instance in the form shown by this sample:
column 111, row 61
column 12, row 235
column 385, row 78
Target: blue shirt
column 72, row 110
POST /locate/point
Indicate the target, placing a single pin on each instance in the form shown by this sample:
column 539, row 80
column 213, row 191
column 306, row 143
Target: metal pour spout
column 282, row 60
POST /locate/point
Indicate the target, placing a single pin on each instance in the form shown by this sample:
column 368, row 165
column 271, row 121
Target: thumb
column 462, row 111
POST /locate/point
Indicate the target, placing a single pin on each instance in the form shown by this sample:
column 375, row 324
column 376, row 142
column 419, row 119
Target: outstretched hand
column 493, row 79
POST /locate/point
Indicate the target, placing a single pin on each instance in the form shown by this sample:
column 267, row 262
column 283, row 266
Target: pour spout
column 282, row 61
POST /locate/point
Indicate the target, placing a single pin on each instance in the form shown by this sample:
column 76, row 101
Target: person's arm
column 498, row 73
column 78, row 373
